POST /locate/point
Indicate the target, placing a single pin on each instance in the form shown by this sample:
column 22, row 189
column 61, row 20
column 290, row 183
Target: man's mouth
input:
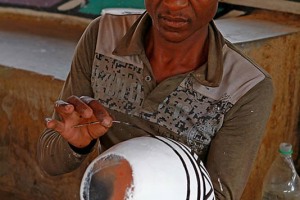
column 173, row 22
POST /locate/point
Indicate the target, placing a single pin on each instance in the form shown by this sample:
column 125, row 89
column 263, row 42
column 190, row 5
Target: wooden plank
column 276, row 5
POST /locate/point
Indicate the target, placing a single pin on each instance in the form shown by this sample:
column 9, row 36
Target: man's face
column 177, row 20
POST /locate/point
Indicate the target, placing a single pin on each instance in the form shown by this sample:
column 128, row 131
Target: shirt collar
column 133, row 41
column 209, row 74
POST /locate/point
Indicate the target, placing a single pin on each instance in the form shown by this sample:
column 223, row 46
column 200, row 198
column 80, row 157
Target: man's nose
column 176, row 4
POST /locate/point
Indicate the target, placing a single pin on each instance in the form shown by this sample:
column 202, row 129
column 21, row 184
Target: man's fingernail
column 86, row 99
column 47, row 120
column 60, row 103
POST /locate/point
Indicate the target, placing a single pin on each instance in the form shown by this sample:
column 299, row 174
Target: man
column 171, row 73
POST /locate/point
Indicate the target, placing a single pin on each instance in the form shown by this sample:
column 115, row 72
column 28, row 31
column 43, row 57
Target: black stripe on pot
column 206, row 176
column 193, row 161
column 184, row 165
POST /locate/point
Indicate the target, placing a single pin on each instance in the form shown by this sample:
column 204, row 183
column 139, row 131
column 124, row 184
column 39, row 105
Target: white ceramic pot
column 146, row 168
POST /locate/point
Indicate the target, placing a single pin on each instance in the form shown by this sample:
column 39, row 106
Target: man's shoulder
column 241, row 73
column 235, row 57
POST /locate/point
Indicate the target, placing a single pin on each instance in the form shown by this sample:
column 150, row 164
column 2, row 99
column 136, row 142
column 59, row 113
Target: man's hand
column 78, row 111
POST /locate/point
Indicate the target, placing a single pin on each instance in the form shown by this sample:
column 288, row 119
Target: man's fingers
column 80, row 106
column 99, row 111
column 63, row 107
column 87, row 99
column 80, row 111
column 54, row 124
column 96, row 131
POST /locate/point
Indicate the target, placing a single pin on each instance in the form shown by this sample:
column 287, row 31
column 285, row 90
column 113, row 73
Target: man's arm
column 54, row 153
column 56, row 156
column 234, row 149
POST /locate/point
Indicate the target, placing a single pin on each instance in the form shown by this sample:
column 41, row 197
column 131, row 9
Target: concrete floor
column 42, row 47
column 36, row 53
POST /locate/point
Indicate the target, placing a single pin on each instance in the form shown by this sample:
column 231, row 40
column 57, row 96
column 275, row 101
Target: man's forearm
column 55, row 156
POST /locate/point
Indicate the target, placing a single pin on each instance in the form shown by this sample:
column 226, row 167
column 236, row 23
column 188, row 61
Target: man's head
column 177, row 20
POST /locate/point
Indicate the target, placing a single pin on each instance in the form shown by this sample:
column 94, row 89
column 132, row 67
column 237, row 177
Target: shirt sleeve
column 54, row 154
column 234, row 149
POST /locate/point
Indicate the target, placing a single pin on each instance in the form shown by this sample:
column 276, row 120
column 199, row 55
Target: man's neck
column 170, row 58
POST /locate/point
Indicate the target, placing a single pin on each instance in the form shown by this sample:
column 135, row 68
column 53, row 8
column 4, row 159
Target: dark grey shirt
column 219, row 110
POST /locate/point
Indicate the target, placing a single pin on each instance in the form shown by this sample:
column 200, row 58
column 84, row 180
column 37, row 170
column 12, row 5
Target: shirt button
column 148, row 78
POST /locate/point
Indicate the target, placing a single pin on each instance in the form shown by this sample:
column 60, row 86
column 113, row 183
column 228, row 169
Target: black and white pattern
column 194, row 117
column 198, row 173
column 162, row 169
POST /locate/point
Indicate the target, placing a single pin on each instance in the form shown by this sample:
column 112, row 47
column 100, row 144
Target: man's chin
column 174, row 38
